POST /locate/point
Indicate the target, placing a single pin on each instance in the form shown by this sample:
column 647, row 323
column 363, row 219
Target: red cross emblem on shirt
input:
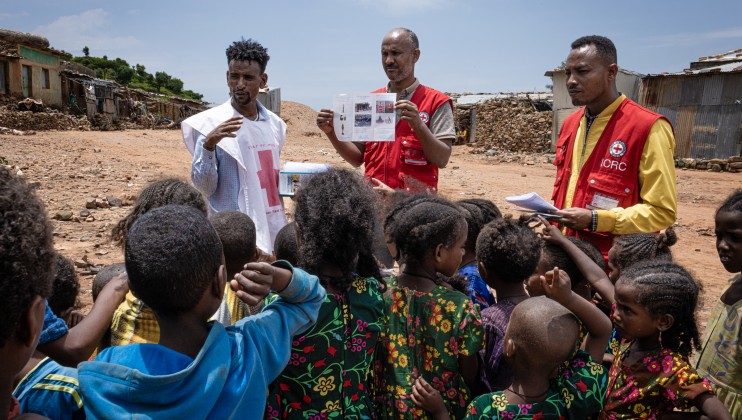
column 268, row 177
column 617, row 149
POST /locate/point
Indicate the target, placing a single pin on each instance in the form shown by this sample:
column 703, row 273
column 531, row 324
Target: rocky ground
column 88, row 180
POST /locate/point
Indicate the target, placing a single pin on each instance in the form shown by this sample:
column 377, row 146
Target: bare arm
column 556, row 285
column 592, row 272
column 79, row 343
column 349, row 151
column 436, row 151
column 710, row 407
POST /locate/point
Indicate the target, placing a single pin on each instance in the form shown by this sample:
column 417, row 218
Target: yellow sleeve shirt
column 657, row 179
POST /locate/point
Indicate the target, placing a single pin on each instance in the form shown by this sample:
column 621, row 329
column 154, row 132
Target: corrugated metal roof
column 735, row 67
column 730, row 55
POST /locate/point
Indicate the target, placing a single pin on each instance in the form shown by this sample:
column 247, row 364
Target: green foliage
column 135, row 76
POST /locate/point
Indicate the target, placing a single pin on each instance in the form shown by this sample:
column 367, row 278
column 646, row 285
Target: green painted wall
column 39, row 57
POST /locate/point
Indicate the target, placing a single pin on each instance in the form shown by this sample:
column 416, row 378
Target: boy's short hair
column 285, row 246
column 172, row 255
column 27, row 262
column 545, row 333
column 237, row 233
column 105, row 275
column 65, row 286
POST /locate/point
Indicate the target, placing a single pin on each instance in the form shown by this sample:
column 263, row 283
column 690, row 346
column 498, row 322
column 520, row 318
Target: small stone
column 491, row 152
column 90, row 203
column 113, row 201
column 101, row 203
column 64, row 216
column 90, row 218
column 84, row 238
column 96, row 150
column 84, row 213
column 523, row 174
column 80, row 263
column 715, row 167
column 697, row 249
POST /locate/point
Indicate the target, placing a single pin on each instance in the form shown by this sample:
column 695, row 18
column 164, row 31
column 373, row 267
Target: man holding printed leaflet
column 424, row 131
column 236, row 146
column 614, row 159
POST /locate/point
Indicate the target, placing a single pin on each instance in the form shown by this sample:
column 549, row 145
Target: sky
column 320, row 48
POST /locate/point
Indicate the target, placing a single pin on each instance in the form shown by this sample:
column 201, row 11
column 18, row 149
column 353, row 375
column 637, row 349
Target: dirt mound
column 300, row 119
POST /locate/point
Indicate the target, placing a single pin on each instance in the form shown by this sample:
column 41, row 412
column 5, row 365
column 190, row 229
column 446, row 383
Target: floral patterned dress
column 660, row 381
column 329, row 372
column 425, row 336
column 577, row 392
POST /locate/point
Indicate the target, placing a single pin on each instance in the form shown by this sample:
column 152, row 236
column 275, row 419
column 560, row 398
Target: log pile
column 39, row 121
column 512, row 126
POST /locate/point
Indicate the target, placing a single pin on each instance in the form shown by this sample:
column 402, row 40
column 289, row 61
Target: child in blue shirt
column 199, row 369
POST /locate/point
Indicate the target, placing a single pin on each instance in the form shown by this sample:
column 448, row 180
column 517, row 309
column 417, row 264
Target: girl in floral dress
column 655, row 315
column 432, row 332
column 720, row 359
column 328, row 374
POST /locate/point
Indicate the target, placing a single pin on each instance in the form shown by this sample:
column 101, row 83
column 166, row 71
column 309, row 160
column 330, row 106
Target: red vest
column 394, row 163
column 610, row 175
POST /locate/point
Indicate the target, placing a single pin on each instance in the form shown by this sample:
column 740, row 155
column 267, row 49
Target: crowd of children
column 483, row 316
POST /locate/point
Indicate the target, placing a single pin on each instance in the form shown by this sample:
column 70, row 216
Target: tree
column 86, row 51
column 161, row 80
column 124, row 75
column 175, row 85
column 141, row 71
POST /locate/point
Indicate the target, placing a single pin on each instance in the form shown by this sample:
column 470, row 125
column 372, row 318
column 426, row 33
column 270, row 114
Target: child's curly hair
column 509, row 249
column 26, row 252
column 643, row 246
column 335, row 219
column 667, row 288
column 158, row 194
column 65, row 287
column 419, row 223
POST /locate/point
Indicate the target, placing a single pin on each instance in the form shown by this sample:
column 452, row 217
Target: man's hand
column 225, row 129
column 253, row 283
column 575, row 218
column 408, row 112
column 429, row 399
column 324, row 121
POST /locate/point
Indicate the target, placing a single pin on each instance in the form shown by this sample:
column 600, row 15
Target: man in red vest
column 614, row 159
column 425, row 126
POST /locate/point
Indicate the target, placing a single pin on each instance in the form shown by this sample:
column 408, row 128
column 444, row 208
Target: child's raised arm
column 80, row 341
column 592, row 272
column 300, row 297
column 557, row 286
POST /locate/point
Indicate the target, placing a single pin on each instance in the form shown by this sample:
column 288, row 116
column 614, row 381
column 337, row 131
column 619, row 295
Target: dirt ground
column 71, row 167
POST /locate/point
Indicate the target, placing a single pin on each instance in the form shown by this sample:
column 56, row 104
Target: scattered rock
column 101, row 203
column 84, row 213
column 64, row 216
column 90, row 203
column 113, row 201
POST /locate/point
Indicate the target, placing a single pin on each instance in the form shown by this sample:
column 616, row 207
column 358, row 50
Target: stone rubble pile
column 511, row 126
column 25, row 121
column 733, row 164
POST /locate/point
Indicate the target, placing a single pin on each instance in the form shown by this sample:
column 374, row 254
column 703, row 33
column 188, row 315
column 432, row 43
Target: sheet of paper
column 365, row 117
column 295, row 174
column 531, row 201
